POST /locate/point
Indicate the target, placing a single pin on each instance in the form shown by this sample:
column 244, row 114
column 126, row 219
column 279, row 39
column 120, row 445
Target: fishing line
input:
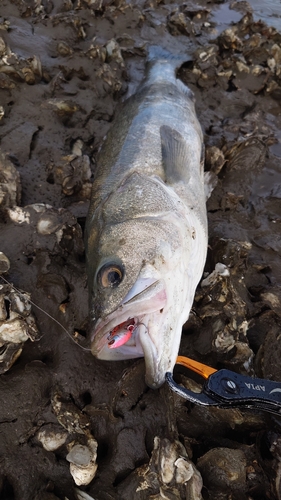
column 46, row 313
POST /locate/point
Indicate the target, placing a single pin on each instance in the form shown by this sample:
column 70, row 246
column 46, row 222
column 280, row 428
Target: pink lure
column 119, row 337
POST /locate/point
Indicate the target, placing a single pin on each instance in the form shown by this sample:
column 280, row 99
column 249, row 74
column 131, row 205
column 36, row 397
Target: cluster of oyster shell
column 241, row 58
column 15, row 69
column 10, row 186
column 80, row 446
column 169, row 474
column 17, row 323
column 73, row 172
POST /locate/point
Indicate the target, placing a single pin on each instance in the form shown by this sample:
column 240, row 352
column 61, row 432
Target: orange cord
column 203, row 370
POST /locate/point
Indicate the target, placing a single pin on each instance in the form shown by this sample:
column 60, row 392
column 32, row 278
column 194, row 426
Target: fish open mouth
column 119, row 335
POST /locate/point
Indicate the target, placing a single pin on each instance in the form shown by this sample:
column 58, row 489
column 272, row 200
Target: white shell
column 51, row 441
column 167, row 465
column 184, row 470
column 18, row 215
column 79, row 455
column 39, row 207
column 4, row 263
column 14, row 331
column 82, row 460
column 220, row 270
column 77, row 147
column 83, row 475
column 16, row 323
column 47, row 224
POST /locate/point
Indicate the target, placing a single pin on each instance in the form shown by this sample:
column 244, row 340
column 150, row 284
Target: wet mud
column 70, row 425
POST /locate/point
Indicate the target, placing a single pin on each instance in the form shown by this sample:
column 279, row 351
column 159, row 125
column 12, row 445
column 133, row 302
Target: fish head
column 137, row 278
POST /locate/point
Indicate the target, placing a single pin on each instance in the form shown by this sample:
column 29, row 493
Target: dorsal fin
column 175, row 155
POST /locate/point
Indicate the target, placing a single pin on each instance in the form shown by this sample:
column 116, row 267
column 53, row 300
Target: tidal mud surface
column 65, row 67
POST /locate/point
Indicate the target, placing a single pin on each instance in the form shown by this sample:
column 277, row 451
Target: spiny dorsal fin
column 175, row 155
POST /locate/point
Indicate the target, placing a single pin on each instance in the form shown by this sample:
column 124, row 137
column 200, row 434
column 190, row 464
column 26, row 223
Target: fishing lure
column 121, row 334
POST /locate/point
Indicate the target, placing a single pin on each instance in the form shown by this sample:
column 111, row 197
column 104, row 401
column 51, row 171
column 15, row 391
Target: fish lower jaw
column 141, row 344
column 157, row 359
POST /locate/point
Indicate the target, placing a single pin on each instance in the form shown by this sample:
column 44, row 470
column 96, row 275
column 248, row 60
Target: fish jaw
column 145, row 298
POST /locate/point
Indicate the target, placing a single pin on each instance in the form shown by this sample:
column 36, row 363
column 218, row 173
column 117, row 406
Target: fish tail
column 162, row 66
column 157, row 54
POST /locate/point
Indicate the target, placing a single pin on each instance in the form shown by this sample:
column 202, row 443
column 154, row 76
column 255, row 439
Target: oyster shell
column 82, row 451
column 21, row 69
column 17, row 325
column 110, row 77
column 113, row 52
column 170, row 474
column 4, row 263
column 224, row 472
column 73, row 172
column 59, row 225
column 214, row 159
column 63, row 49
column 10, row 186
column 179, row 24
column 51, row 437
column 82, row 460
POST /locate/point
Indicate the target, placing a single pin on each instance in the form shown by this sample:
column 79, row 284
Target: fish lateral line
column 46, row 313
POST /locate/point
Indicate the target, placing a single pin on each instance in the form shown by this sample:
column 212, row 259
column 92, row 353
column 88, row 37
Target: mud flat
column 68, row 421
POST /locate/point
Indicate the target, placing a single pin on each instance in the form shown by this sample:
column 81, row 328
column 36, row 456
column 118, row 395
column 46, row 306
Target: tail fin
column 161, row 64
column 157, row 53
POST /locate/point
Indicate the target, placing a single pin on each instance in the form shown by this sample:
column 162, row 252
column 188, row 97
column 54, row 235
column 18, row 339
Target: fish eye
column 110, row 275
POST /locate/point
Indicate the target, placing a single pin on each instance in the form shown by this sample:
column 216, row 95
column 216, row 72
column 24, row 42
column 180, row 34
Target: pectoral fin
column 175, row 155
column 210, row 182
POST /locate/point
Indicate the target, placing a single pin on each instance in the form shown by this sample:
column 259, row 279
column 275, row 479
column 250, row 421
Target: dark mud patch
column 65, row 66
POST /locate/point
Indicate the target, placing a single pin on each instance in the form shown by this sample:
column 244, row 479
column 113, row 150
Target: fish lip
column 125, row 312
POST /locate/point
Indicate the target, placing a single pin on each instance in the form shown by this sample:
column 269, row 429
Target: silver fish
column 146, row 231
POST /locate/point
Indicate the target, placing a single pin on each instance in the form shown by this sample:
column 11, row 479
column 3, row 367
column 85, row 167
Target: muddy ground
column 65, row 66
